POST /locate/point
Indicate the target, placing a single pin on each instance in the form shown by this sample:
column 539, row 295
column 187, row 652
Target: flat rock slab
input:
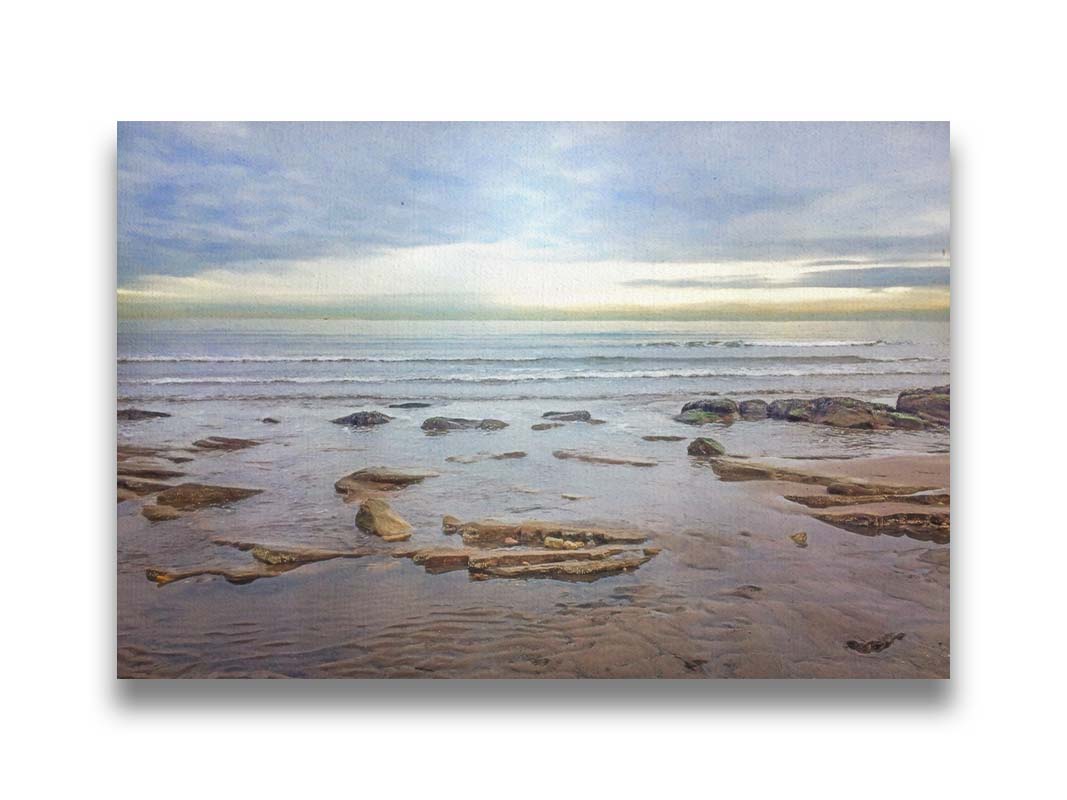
column 546, row 426
column 193, row 496
column 275, row 555
column 590, row 458
column 834, row 501
column 410, row 405
column 655, row 438
column 141, row 486
column 160, row 513
column 570, row 569
column 379, row 479
column 270, row 562
column 502, row 534
column 919, row 525
column 476, row 457
column 224, row 443
column 148, row 471
column 445, row 424
column 728, row 470
column 136, row 414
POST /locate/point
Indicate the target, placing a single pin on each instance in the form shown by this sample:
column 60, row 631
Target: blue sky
column 520, row 217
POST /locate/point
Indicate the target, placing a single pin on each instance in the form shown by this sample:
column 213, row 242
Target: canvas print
column 533, row 400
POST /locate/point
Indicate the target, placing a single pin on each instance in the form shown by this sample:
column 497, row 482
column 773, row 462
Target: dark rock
column 832, row 501
column 410, row 405
column 192, row 496
column 270, row 420
column 140, row 486
column 907, row 422
column 696, row 417
column 370, row 480
column 752, row 409
column 864, row 489
column 545, row 426
column 589, row 458
column 568, row 416
column 721, row 406
column 148, row 471
column 656, row 438
column 840, row 412
column 793, row 409
column 930, row 405
column 135, row 414
column 873, row 645
column 705, row 447
column 442, row 424
column 476, row 457
column 362, row 419
column 224, row 443
column 921, row 526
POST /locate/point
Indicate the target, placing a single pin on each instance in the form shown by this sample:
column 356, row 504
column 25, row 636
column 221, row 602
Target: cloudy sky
column 529, row 220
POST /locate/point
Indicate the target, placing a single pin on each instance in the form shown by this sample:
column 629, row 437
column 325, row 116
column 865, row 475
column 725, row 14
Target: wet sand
column 728, row 595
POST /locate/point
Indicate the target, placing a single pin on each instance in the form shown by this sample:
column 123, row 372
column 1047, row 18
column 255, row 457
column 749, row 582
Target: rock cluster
column 362, row 419
column 916, row 409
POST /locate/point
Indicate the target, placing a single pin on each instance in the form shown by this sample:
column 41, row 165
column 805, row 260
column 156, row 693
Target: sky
column 534, row 220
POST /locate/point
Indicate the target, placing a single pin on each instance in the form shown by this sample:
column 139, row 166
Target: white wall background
column 71, row 69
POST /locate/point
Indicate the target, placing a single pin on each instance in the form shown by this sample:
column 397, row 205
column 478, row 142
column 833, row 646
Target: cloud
column 197, row 196
column 866, row 277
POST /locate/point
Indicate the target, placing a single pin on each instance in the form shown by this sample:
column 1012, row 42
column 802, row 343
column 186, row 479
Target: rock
column 930, row 405
column 271, row 562
column 574, row 497
column 746, row 591
column 410, row 405
column 921, row 526
column 375, row 516
column 708, row 411
column 800, row 539
column 193, row 496
column 706, row 448
column 546, row 426
column 873, row 645
column 148, row 471
column 378, row 479
column 444, row 424
column 162, row 577
column 126, row 494
column 702, row 418
column 608, row 460
column 840, row 412
column 492, row 533
column 556, row 543
column 224, row 443
column 571, row 568
column 362, row 419
column 907, row 422
column 442, row 560
column 270, row 420
column 475, row 458
column 160, row 513
column 831, row 501
column 713, row 405
column 141, row 486
column 791, row 409
column 864, row 489
column 663, row 438
column 136, row 414
column 567, row 416
column 752, row 409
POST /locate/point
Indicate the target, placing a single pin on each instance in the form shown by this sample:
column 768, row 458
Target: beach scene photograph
column 533, row 400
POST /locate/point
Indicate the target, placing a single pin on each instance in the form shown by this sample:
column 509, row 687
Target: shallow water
column 680, row 615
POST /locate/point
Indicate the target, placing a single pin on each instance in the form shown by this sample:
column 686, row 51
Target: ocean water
column 384, row 616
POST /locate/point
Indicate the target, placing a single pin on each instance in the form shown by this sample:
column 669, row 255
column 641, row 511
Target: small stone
column 800, row 539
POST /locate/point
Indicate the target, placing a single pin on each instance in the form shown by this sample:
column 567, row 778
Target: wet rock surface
column 373, row 480
column 375, row 516
column 493, row 533
column 567, row 416
column 445, row 424
column 476, row 457
column 363, row 419
column 271, row 421
column 834, row 501
column 705, row 448
column 661, row 438
column 225, row 443
column 921, row 526
column 545, row 426
column 752, row 409
column 873, row 645
column 592, row 458
column 136, row 414
column 410, row 405
column 194, row 496
column 931, row 405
